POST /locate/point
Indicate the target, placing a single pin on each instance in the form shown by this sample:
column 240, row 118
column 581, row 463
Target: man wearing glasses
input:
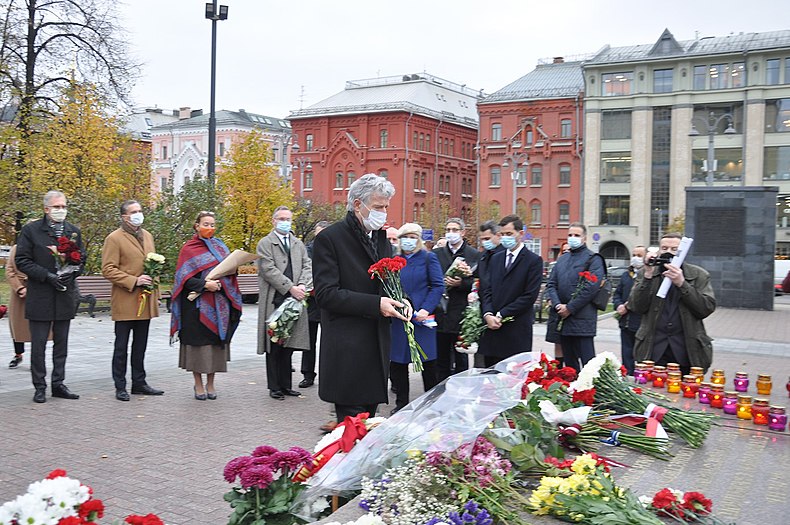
column 50, row 303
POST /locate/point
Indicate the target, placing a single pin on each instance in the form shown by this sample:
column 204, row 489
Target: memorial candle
column 704, row 393
column 660, row 376
column 730, row 402
column 717, row 396
column 673, row 382
column 764, row 384
column 741, row 382
column 689, row 386
column 777, row 419
column 640, row 374
column 760, row 411
column 717, row 377
column 698, row 373
column 649, row 365
column 744, row 407
column 673, row 367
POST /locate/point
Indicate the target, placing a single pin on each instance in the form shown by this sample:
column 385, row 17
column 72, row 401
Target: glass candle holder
column 717, row 377
column 760, row 411
column 744, row 407
column 704, row 393
column 741, row 382
column 649, row 365
column 717, row 396
column 640, row 374
column 788, row 388
column 764, row 384
column 689, row 386
column 777, row 419
column 698, row 373
column 673, row 382
column 673, row 367
column 660, row 376
column 730, row 402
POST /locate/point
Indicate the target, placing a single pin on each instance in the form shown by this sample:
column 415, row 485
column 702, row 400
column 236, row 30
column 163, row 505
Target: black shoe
column 63, row 392
column 306, row 383
column 276, row 394
column 211, row 395
column 199, row 397
column 146, row 390
column 292, row 393
column 122, row 395
column 40, row 396
column 15, row 361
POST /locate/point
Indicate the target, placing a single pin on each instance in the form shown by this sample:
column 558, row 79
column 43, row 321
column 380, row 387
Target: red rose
column 697, row 502
column 75, row 256
column 535, row 376
column 57, row 473
column 664, row 499
column 567, row 373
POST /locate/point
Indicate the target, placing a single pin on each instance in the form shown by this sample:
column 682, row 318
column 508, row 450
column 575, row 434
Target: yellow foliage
column 253, row 190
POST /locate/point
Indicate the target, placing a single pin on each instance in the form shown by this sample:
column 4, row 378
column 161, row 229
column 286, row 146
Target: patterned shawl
column 197, row 257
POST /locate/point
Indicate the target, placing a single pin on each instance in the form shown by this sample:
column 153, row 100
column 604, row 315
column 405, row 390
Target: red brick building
column 419, row 131
column 530, row 153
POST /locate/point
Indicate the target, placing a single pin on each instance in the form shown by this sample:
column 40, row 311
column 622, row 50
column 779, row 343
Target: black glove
column 65, row 278
column 54, row 281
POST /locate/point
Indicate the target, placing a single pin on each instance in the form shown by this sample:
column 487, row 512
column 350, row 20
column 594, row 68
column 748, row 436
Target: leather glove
column 54, row 281
column 65, row 278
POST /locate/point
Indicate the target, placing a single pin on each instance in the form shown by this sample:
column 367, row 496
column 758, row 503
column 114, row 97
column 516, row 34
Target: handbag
column 604, row 293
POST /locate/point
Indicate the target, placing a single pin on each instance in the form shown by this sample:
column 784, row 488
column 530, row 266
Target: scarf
column 197, row 257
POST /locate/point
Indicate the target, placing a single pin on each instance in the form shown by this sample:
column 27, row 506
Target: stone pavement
column 166, row 454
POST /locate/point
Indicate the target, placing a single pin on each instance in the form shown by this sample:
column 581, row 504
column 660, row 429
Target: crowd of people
column 362, row 348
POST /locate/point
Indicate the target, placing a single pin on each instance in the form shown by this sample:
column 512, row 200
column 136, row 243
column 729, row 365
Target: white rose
column 273, row 325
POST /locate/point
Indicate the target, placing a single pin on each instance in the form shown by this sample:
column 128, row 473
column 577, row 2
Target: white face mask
column 574, row 242
column 136, row 219
column 58, row 214
column 637, row 262
column 408, row 244
column 453, row 237
column 375, row 219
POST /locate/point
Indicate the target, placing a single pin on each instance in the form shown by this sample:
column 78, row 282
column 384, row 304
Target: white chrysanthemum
column 591, row 371
column 151, row 256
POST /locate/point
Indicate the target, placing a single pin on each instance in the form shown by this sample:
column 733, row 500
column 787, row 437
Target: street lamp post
column 303, row 163
column 713, row 124
column 515, row 159
column 213, row 13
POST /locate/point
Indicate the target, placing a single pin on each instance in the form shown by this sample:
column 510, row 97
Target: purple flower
column 234, row 467
column 364, row 505
column 304, row 455
column 256, row 476
column 287, row 460
column 264, row 450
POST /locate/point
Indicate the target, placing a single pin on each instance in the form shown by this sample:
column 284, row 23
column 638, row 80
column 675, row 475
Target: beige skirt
column 206, row 359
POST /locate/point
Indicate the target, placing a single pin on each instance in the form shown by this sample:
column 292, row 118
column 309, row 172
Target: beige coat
column 122, row 260
column 271, row 266
column 17, row 324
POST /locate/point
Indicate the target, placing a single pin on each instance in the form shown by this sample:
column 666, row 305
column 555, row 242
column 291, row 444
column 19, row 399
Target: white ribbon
column 573, row 416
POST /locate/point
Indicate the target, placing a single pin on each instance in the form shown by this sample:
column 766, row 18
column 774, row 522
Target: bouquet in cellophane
column 280, row 324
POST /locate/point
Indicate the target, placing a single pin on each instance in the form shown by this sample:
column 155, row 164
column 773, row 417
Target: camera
column 660, row 261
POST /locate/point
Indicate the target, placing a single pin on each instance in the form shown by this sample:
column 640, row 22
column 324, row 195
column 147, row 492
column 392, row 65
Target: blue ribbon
column 612, row 440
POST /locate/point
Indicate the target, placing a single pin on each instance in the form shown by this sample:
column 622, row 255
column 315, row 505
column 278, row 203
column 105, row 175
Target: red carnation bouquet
column 585, row 278
column 388, row 272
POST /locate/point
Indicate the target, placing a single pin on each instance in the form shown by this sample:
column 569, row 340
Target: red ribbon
column 354, row 429
column 653, row 422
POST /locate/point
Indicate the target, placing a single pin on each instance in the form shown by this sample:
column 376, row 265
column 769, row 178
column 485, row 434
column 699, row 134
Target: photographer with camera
column 672, row 330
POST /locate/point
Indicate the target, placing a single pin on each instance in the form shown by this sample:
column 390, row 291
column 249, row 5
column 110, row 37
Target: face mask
column 574, row 242
column 375, row 219
column 58, row 214
column 453, row 237
column 283, row 227
column 136, row 219
column 508, row 242
column 489, row 245
column 408, row 245
column 637, row 262
column 206, row 232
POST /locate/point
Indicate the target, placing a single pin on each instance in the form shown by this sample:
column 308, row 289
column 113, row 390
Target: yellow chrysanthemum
column 584, row 464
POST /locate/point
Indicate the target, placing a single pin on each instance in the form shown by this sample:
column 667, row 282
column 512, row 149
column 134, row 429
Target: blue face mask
column 283, row 227
column 408, row 245
column 489, row 245
column 508, row 242
column 574, row 242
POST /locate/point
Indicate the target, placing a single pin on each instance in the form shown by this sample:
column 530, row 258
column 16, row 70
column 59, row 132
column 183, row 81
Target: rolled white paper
column 677, row 260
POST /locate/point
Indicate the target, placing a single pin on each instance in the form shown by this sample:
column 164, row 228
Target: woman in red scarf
column 206, row 325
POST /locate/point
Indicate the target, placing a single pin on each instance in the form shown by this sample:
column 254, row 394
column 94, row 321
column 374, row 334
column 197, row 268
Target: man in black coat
column 509, row 290
column 51, row 298
column 355, row 326
column 448, row 315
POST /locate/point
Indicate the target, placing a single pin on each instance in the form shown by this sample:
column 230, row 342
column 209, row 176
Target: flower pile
column 585, row 279
column 266, row 488
column 388, row 272
column 689, row 506
column 473, row 514
column 548, row 373
column 153, row 265
column 280, row 324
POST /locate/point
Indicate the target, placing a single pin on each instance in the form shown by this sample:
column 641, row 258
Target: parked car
column 614, row 273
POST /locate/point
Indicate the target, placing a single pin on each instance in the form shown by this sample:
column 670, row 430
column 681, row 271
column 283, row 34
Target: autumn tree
column 309, row 212
column 82, row 153
column 252, row 189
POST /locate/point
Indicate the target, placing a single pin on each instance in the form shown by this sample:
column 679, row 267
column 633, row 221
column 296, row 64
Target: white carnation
column 591, row 371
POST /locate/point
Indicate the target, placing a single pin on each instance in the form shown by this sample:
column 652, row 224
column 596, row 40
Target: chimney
column 559, row 60
column 242, row 111
column 184, row 112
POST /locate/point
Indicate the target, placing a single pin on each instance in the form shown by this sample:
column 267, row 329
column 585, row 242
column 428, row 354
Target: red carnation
column 637, row 390
column 585, row 396
column 148, row 519
column 664, row 499
column 92, row 505
column 535, row 376
column 623, row 370
column 57, row 473
column 567, row 373
column 70, row 520
column 697, row 502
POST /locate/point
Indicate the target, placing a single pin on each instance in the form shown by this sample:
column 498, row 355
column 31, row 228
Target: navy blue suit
column 510, row 292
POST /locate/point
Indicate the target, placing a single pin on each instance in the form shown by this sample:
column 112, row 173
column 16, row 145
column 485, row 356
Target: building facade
column 179, row 149
column 419, row 131
column 664, row 116
column 531, row 151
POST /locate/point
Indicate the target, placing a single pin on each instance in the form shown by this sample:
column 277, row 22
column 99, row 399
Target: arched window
column 416, row 181
column 428, row 142
column 351, row 177
column 422, row 141
column 339, row 180
column 422, row 181
column 383, row 138
column 308, row 180
column 537, row 175
column 535, row 212
column 415, row 216
column 496, row 176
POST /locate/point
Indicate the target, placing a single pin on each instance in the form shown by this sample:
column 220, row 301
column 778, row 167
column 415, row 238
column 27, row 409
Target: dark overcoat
column 449, row 319
column 564, row 278
column 423, row 284
column 631, row 320
column 354, row 354
column 481, row 272
column 510, row 292
column 35, row 259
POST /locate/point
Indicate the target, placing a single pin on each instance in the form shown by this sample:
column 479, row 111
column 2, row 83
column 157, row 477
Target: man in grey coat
column 572, row 299
column 284, row 270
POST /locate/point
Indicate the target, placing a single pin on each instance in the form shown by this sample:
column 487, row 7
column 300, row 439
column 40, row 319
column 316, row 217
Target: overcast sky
column 266, row 51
